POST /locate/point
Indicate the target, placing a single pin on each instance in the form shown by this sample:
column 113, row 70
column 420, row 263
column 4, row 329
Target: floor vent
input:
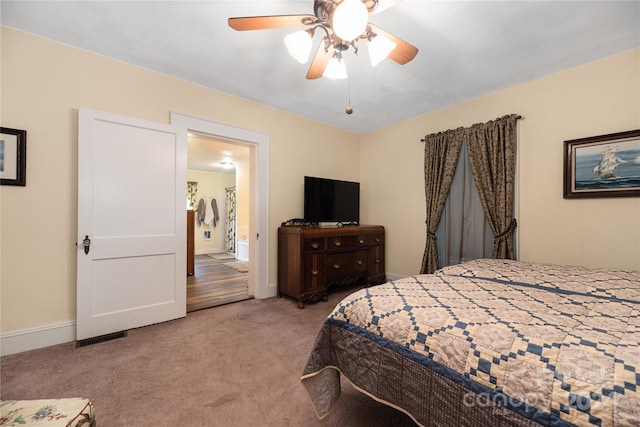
column 101, row 338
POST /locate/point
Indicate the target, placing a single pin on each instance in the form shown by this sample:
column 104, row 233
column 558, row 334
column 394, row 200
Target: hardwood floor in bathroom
column 215, row 284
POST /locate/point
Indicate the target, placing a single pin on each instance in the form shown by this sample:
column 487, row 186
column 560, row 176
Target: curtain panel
column 492, row 154
column 441, row 152
column 230, row 220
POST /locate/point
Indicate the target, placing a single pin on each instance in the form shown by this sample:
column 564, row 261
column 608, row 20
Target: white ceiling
column 466, row 49
column 208, row 154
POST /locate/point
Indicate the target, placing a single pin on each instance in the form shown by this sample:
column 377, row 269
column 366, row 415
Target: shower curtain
column 230, row 220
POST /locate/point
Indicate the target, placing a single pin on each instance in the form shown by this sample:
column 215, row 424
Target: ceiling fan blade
column 403, row 52
column 382, row 5
column 320, row 61
column 269, row 22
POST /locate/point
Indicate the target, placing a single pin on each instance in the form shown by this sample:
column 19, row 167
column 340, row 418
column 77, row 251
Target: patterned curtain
column 492, row 152
column 192, row 189
column 230, row 220
column 441, row 151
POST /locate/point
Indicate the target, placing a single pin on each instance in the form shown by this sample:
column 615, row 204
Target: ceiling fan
column 344, row 23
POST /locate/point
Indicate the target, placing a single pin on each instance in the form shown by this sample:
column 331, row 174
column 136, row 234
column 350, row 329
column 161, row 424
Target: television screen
column 330, row 200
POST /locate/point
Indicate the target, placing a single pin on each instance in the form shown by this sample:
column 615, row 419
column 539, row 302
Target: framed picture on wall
column 603, row 166
column 13, row 157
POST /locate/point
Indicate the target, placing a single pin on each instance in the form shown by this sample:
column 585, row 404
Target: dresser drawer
column 346, row 263
column 373, row 239
column 342, row 242
column 315, row 244
column 313, row 272
column 376, row 261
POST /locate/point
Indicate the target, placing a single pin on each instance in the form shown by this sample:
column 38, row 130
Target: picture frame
column 602, row 166
column 13, row 157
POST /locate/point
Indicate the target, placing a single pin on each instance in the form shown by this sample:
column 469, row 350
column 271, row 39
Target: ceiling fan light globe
column 299, row 45
column 336, row 69
column 350, row 19
column 379, row 48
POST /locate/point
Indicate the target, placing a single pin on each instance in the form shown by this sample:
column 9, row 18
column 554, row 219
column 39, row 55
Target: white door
column 132, row 208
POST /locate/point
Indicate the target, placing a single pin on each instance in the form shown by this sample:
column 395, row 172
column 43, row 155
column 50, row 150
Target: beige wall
column 210, row 185
column 598, row 98
column 42, row 85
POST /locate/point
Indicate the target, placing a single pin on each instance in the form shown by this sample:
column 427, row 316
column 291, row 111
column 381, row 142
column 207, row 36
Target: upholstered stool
column 69, row 412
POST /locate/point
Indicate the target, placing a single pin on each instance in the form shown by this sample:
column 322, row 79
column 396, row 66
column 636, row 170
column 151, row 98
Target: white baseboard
column 209, row 251
column 272, row 290
column 394, row 276
column 37, row 337
column 63, row 332
column 204, row 251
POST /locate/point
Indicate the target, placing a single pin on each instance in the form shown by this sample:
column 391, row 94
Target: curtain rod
column 518, row 117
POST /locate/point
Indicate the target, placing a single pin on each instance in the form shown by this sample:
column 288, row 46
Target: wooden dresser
column 311, row 260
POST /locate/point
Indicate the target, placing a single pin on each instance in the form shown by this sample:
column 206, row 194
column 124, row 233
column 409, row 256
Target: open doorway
column 258, row 143
column 218, row 182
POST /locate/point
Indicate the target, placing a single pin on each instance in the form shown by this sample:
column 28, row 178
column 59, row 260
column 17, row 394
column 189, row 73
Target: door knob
column 86, row 243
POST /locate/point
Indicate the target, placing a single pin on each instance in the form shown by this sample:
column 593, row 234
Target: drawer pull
column 377, row 240
column 361, row 241
column 359, row 262
column 336, row 266
column 315, row 245
column 338, row 244
column 377, row 261
column 314, row 272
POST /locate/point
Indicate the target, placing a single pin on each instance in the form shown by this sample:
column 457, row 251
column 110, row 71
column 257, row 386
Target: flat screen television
column 331, row 200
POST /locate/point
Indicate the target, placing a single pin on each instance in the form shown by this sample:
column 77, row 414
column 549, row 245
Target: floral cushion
column 71, row 412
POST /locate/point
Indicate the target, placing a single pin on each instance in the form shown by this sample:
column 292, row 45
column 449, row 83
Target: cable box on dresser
column 311, row 260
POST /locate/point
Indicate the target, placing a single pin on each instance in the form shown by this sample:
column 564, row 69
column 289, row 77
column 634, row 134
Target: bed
column 489, row 343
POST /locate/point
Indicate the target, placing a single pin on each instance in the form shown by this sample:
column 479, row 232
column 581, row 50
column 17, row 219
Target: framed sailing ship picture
column 603, row 166
column 13, row 156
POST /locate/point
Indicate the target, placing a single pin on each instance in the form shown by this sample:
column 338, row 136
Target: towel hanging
column 201, row 212
column 214, row 209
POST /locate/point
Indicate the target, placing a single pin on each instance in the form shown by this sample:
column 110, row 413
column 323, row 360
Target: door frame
column 259, row 193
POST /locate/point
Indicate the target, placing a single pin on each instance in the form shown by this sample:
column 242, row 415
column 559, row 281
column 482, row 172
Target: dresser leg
column 300, row 305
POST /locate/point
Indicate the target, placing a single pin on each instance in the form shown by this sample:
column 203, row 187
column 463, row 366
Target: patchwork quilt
column 549, row 345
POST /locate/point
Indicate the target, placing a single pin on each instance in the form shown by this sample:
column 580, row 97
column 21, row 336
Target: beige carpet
column 222, row 255
column 234, row 365
column 241, row 266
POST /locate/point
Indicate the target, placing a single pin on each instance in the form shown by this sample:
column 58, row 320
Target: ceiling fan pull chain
column 349, row 110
